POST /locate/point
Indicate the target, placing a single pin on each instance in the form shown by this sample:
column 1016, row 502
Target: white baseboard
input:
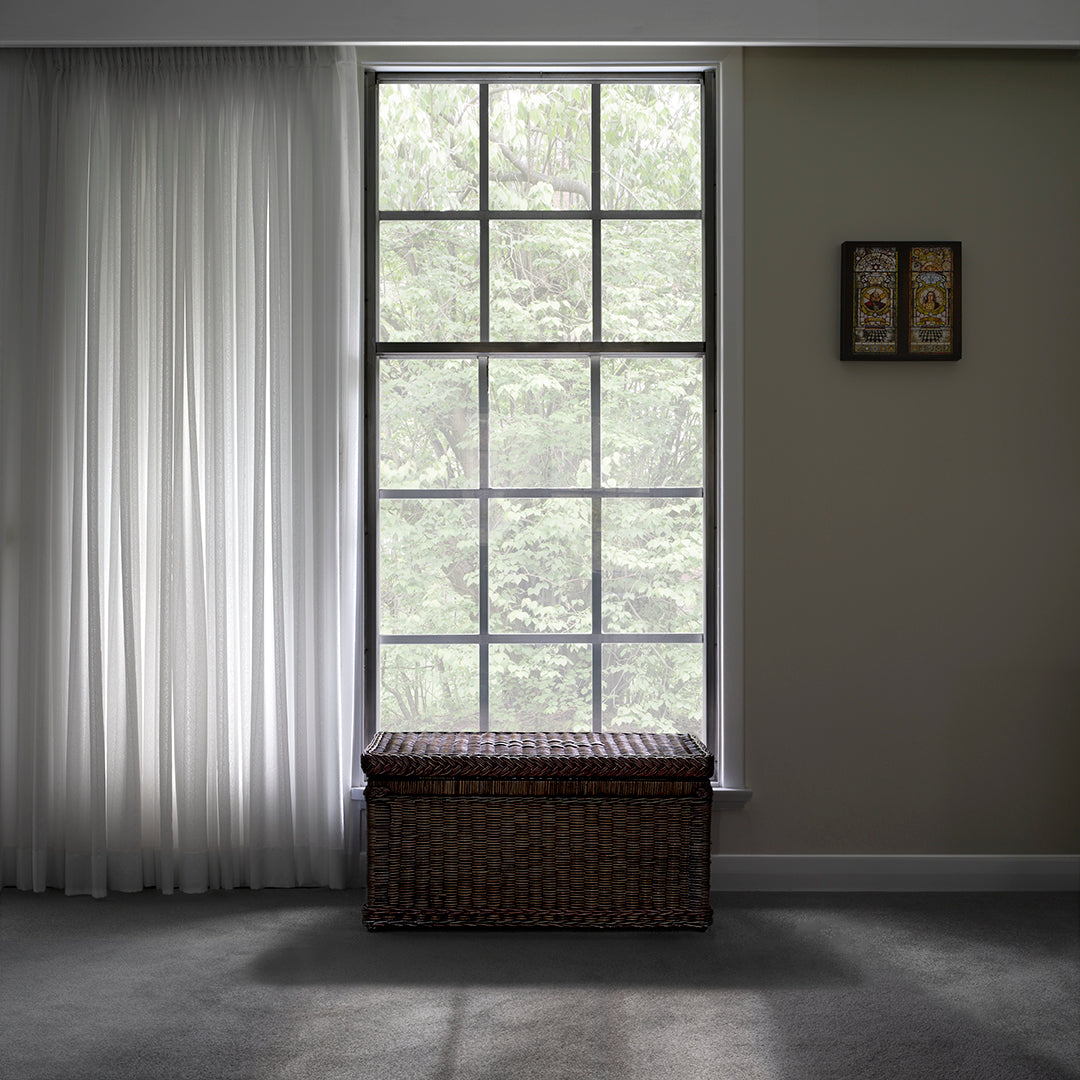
column 895, row 873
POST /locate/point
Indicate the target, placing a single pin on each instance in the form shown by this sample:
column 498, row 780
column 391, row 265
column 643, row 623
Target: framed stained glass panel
column 932, row 299
column 900, row 300
column 875, row 284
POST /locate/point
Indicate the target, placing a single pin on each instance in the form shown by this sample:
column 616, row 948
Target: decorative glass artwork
column 900, row 300
column 931, row 326
column 875, row 299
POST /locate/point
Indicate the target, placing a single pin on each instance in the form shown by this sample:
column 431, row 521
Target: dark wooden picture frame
column 900, row 300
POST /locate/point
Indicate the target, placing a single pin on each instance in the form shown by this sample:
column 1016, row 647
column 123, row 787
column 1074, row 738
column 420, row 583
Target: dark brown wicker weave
column 538, row 830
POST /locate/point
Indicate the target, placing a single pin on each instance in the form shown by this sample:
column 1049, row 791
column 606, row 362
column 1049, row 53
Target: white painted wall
column 912, row 632
column 1053, row 23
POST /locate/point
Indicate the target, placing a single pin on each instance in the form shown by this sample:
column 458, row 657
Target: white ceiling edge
column 9, row 42
column 414, row 47
column 1033, row 24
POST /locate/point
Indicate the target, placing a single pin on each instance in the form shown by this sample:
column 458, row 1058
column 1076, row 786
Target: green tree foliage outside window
column 590, row 469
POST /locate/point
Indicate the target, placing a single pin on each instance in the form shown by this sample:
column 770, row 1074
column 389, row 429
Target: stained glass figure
column 930, row 329
column 875, row 299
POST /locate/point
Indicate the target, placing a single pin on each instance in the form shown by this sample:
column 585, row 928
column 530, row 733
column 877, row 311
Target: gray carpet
column 287, row 984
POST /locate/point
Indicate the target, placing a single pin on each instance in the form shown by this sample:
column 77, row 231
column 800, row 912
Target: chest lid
column 513, row 755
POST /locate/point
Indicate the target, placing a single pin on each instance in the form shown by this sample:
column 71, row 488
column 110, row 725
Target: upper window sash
column 475, row 288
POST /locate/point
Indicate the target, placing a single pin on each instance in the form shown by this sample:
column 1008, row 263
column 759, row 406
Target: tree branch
column 570, row 184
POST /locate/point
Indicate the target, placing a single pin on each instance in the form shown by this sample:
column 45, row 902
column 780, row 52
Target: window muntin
column 555, row 381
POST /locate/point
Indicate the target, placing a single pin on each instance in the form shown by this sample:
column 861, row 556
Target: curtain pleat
column 179, row 400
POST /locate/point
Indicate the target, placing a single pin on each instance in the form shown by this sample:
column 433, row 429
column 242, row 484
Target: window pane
column 650, row 421
column 541, row 566
column 652, row 566
column 538, row 428
column 540, row 152
column 429, row 566
column 540, row 688
column 650, row 146
column 540, row 423
column 428, row 432
column 429, row 146
column 651, row 280
column 429, row 281
column 429, row 687
column 541, row 281
column 654, row 686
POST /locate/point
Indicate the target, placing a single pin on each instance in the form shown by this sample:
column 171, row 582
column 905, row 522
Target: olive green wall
column 912, row 530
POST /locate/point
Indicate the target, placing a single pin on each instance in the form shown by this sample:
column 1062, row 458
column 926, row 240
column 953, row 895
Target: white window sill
column 731, row 796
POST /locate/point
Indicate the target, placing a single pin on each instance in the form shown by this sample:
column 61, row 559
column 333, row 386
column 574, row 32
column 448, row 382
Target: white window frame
column 725, row 730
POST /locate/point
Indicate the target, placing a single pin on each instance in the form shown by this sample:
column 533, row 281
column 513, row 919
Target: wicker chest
column 537, row 830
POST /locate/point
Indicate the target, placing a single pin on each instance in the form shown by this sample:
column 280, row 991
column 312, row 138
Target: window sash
column 597, row 495
column 595, row 214
column 715, row 693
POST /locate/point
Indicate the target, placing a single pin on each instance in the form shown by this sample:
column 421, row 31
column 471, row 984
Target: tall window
column 540, row 394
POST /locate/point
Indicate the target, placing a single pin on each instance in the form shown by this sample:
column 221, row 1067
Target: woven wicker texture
column 538, row 830
column 536, row 919
column 493, row 862
column 525, row 754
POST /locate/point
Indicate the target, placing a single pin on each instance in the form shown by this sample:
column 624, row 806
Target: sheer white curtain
column 179, row 387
